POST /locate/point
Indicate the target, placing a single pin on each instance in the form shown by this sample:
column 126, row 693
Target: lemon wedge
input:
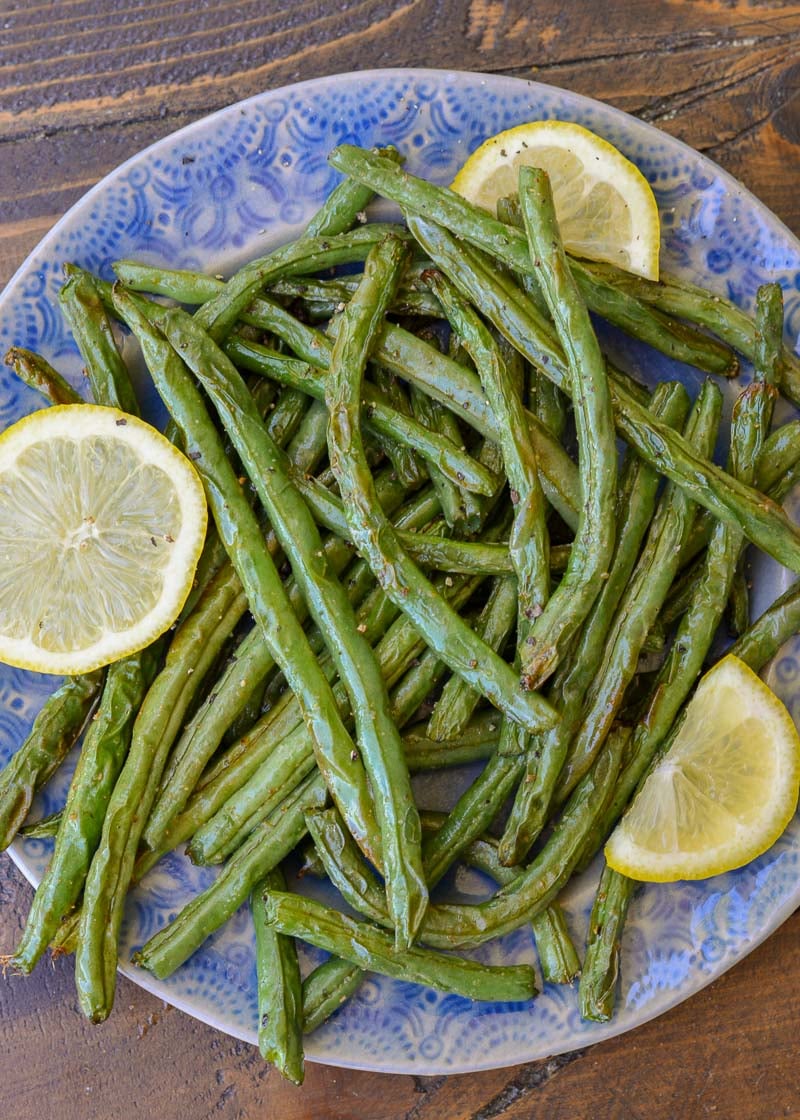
column 102, row 521
column 724, row 791
column 605, row 207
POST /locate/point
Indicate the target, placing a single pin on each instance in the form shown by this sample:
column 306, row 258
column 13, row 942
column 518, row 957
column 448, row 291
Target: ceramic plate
column 230, row 187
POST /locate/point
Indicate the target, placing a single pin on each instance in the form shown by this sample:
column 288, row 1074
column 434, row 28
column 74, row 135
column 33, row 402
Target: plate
column 230, row 187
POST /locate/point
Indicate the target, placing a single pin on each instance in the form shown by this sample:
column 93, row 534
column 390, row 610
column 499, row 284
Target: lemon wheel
column 102, row 521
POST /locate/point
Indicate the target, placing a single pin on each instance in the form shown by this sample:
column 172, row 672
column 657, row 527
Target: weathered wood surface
column 85, row 84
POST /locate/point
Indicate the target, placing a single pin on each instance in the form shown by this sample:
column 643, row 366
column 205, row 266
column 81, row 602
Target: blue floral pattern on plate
column 236, row 184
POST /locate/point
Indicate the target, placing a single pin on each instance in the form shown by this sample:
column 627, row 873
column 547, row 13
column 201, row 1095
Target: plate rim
column 139, row 976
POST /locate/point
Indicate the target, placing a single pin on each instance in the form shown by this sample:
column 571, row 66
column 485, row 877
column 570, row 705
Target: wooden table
column 87, row 83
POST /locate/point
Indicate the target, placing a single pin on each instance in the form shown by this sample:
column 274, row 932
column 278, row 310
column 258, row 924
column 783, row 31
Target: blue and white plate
column 238, row 183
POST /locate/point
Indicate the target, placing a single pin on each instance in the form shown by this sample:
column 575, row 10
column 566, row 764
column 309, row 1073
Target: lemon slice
column 605, row 207
column 724, row 791
column 102, row 521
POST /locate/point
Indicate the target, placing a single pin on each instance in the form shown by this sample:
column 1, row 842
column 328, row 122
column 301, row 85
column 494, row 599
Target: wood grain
column 110, row 77
column 84, row 84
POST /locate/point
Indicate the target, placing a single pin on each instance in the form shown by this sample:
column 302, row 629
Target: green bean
column 38, row 374
column 558, row 956
column 326, row 297
column 211, row 560
column 226, row 777
column 53, row 734
column 598, row 986
column 371, row 948
column 280, row 1000
column 379, row 417
column 101, row 758
column 460, row 391
column 430, row 550
column 309, row 446
column 66, row 937
column 43, row 829
column 288, row 762
column 593, row 546
column 344, row 865
column 476, row 508
column 768, row 341
column 763, row 523
column 641, row 602
column 83, row 309
column 706, row 309
column 476, row 741
column 780, row 453
column 466, row 557
column 344, row 205
column 682, row 592
column 230, row 818
column 377, row 736
column 404, row 460
column 183, row 285
column 739, row 601
column 252, row 661
column 785, row 486
column 287, row 415
column 270, row 843
column 266, row 596
column 411, row 358
column 451, row 498
column 752, row 421
column 529, row 543
column 458, row 701
column 325, row 990
column 293, row 757
column 413, row 689
column 777, row 474
column 636, row 502
column 508, row 245
column 455, row 925
column 472, row 224
column 472, row 814
column 192, row 652
column 55, row 731
column 509, row 212
column 551, row 405
column 676, row 340
column 235, row 769
column 250, row 713
column 307, row 255
column 203, row 734
column 452, row 925
column 444, row 631
column 764, row 638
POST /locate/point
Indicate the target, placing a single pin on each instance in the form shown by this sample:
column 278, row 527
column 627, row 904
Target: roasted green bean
column 280, row 999
column 371, row 948
column 402, row 581
column 55, row 731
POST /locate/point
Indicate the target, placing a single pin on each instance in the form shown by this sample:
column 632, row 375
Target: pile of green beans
column 423, row 555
